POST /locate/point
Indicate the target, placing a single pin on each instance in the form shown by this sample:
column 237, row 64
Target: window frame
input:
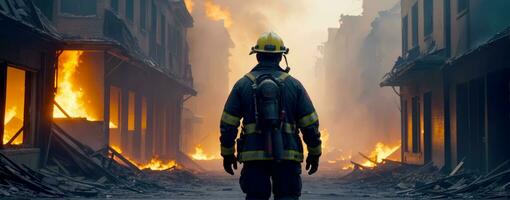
column 428, row 17
column 405, row 34
column 143, row 15
column 464, row 8
column 129, row 13
column 405, row 125
column 28, row 104
column 114, row 5
column 415, row 35
column 416, row 125
column 74, row 15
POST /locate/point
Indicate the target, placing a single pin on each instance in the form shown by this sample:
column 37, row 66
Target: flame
column 189, row 5
column 68, row 96
column 324, row 144
column 200, row 155
column 116, row 148
column 216, row 12
column 380, row 153
column 155, row 163
column 113, row 125
column 158, row 165
column 348, row 167
column 9, row 114
column 324, row 139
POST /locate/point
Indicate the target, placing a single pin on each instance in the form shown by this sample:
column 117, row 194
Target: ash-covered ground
column 220, row 186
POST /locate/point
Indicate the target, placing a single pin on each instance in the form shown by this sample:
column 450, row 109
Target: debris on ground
column 75, row 170
column 426, row 181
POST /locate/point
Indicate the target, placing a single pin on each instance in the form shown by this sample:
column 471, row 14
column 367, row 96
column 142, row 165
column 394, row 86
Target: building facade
column 133, row 72
column 454, row 83
column 27, row 61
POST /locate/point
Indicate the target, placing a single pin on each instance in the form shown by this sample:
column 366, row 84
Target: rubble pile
column 75, row 170
column 426, row 181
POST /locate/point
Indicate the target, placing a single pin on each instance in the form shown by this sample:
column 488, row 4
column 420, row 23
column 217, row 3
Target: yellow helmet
column 269, row 42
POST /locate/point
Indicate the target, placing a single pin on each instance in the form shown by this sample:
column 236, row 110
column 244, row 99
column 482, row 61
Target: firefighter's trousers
column 259, row 177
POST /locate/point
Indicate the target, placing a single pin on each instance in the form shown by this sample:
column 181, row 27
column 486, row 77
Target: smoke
column 356, row 56
column 344, row 90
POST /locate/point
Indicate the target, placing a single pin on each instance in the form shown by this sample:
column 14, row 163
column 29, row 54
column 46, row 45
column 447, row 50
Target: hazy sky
column 301, row 23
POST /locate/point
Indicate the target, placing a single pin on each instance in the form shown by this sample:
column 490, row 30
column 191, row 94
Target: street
column 219, row 186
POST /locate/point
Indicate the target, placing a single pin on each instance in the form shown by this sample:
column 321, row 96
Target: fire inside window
column 14, row 106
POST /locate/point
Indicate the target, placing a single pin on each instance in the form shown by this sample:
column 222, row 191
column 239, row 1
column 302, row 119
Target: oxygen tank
column 269, row 96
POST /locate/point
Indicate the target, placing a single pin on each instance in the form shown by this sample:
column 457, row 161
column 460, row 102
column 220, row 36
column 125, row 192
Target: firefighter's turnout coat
column 300, row 116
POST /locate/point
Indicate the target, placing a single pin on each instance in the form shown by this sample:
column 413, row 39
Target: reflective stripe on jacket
column 300, row 116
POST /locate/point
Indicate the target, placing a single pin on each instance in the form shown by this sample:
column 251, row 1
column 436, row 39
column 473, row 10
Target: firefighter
column 274, row 108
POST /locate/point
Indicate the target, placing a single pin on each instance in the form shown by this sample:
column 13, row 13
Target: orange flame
column 158, row 165
column 216, row 12
column 9, row 115
column 380, row 153
column 112, row 125
column 155, row 164
column 189, row 5
column 201, row 155
column 68, row 96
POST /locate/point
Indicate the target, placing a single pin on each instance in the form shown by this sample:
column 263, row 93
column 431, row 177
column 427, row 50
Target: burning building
column 453, row 78
column 351, row 62
column 210, row 58
column 28, row 49
column 123, row 74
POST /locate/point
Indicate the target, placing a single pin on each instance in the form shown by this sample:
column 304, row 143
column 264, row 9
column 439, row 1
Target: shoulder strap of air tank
column 283, row 76
column 252, row 77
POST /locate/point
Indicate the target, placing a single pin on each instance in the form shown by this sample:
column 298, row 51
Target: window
column 115, row 116
column 129, row 10
column 404, row 122
column 46, row 7
column 428, row 18
column 462, row 5
column 131, row 111
column 143, row 14
column 79, row 7
column 162, row 30
column 114, row 5
column 405, row 31
column 14, row 116
column 416, row 125
column 415, row 24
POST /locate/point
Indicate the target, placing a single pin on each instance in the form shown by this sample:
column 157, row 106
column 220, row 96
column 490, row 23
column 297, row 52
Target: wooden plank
column 457, row 168
column 499, row 167
column 28, row 134
column 3, row 96
column 15, row 136
column 61, row 109
column 121, row 157
column 83, row 158
column 366, row 157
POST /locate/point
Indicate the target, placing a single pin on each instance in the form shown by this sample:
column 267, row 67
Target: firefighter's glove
column 312, row 163
column 230, row 162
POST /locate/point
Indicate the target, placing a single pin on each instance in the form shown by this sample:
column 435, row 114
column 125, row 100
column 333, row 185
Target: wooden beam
column 124, row 114
column 149, row 133
column 3, row 96
column 137, row 137
column 126, row 161
column 15, row 136
column 369, row 159
column 61, row 109
column 28, row 134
